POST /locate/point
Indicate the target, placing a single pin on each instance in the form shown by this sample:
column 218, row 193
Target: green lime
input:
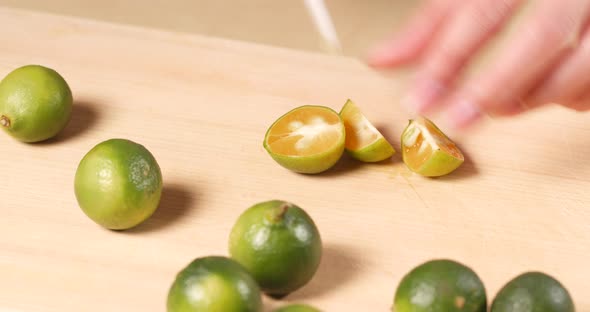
column 214, row 284
column 279, row 244
column 533, row 292
column 297, row 308
column 118, row 184
column 440, row 285
column 35, row 103
column 308, row 139
column 363, row 141
column 427, row 150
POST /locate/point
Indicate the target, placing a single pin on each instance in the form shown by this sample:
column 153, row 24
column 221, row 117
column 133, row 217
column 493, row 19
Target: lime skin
column 279, row 244
column 533, row 292
column 118, row 184
column 214, row 284
column 35, row 103
column 440, row 285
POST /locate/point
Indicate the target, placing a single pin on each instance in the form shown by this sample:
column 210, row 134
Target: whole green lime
column 214, row 284
column 35, row 103
column 533, row 292
column 118, row 184
column 297, row 308
column 440, row 285
column 279, row 244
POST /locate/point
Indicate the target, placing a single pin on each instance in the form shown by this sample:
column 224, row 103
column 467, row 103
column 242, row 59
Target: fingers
column 581, row 106
column 472, row 26
column 582, row 103
column 569, row 81
column 549, row 33
column 415, row 37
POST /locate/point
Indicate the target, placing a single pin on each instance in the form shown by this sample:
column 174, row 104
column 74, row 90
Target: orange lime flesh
column 363, row 140
column 306, row 131
column 425, row 145
column 308, row 139
column 360, row 132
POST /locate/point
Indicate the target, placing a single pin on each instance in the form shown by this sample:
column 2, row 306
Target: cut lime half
column 308, row 139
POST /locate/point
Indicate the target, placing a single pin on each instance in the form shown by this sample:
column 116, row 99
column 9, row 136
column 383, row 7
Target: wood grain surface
column 201, row 106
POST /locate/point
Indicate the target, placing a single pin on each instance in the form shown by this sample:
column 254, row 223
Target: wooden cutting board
column 201, row 106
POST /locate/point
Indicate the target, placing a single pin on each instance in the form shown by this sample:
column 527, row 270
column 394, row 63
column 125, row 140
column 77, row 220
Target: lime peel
column 118, row 184
column 279, row 244
column 35, row 103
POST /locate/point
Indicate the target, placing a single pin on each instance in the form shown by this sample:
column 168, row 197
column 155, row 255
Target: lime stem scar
column 277, row 215
column 4, row 121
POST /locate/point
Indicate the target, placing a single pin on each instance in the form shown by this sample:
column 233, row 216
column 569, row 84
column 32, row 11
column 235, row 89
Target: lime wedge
column 363, row 141
column 427, row 150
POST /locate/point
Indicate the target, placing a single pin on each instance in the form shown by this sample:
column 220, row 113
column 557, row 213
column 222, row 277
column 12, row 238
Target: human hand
column 545, row 60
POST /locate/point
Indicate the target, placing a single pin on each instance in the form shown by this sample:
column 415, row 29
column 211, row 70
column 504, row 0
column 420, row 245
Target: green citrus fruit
column 533, row 292
column 440, row 285
column 297, row 308
column 35, row 103
column 308, row 139
column 363, row 141
column 214, row 284
column 428, row 151
column 279, row 244
column 118, row 184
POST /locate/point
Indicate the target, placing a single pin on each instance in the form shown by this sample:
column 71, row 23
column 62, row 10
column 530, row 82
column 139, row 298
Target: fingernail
column 424, row 96
column 462, row 114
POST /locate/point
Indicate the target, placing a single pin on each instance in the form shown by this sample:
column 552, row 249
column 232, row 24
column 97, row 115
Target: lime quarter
column 363, row 141
column 427, row 150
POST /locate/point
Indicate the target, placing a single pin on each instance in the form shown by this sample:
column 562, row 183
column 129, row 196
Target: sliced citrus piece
column 427, row 150
column 363, row 141
column 308, row 139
